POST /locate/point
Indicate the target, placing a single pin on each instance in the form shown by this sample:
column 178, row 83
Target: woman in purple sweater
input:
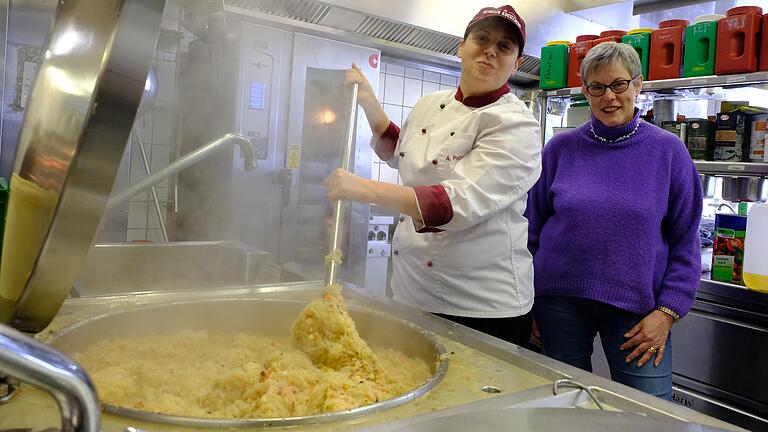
column 613, row 229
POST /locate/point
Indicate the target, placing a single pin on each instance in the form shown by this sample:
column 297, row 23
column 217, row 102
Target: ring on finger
column 652, row 349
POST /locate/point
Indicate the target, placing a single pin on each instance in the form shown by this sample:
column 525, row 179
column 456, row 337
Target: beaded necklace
column 606, row 140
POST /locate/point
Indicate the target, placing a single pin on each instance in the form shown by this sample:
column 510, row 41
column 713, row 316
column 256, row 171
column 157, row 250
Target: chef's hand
column 365, row 93
column 342, row 184
column 648, row 337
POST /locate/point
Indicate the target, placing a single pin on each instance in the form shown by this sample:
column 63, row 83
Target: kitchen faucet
column 184, row 162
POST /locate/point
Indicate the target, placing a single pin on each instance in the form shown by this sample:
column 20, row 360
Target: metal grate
column 309, row 11
column 381, row 28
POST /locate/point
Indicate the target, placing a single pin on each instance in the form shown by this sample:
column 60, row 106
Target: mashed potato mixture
column 324, row 367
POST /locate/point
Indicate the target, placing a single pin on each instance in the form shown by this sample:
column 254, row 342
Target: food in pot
column 324, row 367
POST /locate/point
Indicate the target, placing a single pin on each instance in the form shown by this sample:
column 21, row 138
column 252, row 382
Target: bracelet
column 675, row 316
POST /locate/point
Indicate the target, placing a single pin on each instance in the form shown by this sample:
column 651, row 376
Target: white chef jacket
column 478, row 164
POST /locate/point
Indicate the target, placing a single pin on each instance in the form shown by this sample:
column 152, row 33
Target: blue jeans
column 568, row 326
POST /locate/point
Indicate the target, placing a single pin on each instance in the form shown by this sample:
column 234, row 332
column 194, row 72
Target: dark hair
column 512, row 31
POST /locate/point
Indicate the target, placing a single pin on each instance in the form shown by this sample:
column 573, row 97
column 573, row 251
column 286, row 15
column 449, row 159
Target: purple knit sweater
column 617, row 222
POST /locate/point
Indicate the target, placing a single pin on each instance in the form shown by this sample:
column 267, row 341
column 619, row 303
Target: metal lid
column 77, row 123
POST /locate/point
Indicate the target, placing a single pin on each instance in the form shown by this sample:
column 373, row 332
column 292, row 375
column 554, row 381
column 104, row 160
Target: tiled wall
column 158, row 130
column 400, row 86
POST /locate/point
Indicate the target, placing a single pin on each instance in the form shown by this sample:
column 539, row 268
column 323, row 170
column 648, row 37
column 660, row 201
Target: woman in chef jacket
column 467, row 158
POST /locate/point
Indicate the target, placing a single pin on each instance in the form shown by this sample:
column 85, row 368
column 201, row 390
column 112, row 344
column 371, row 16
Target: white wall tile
column 449, row 80
column 162, row 194
column 412, row 92
column 431, row 76
column 447, row 87
column 406, row 113
column 395, row 113
column 163, row 126
column 136, row 234
column 137, row 171
column 166, row 79
column 393, row 89
column 387, row 174
column 161, row 155
column 154, row 235
column 375, row 170
column 429, row 87
column 393, row 69
column 414, row 73
column 152, row 221
column 137, row 215
column 143, row 126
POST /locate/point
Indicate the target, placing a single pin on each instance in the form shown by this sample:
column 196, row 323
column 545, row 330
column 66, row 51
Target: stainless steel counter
column 525, row 379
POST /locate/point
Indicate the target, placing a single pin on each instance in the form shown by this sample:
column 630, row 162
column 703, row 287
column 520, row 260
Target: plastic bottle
column 756, row 249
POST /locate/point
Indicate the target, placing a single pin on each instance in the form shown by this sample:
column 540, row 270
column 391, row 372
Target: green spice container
column 554, row 65
column 640, row 40
column 728, row 248
column 700, row 43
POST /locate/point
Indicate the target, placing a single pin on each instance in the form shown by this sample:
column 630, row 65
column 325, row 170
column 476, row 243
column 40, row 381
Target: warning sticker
column 293, row 156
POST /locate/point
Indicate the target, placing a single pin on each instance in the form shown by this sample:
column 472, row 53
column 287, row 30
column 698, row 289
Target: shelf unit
column 732, row 168
column 665, row 86
column 736, row 80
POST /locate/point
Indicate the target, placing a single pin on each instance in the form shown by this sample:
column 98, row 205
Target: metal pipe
column 33, row 362
column 333, row 261
column 184, row 162
column 152, row 189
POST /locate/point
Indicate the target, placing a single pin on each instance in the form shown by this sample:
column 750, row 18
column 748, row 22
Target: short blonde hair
column 609, row 53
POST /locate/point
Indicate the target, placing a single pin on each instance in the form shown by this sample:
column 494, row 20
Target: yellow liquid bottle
column 756, row 249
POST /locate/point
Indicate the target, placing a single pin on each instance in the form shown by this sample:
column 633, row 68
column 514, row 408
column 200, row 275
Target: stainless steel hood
column 393, row 37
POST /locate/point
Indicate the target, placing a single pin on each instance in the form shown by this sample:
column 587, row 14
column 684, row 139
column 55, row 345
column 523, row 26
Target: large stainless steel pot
column 269, row 317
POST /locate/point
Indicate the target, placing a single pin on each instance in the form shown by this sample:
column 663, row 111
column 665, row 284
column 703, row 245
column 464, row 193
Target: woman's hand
column 649, row 337
column 342, row 184
column 365, row 93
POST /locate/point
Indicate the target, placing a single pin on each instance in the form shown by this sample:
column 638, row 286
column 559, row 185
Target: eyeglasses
column 617, row 87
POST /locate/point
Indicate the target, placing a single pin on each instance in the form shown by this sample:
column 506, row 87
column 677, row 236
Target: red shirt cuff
column 435, row 206
column 385, row 145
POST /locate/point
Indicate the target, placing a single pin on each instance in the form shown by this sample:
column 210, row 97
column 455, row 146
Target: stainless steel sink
column 128, row 268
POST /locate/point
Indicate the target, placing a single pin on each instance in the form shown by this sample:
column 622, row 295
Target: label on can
column 757, row 137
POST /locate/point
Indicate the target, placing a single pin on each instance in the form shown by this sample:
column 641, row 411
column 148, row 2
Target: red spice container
column 667, row 50
column 737, row 40
column 576, row 54
column 763, row 62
